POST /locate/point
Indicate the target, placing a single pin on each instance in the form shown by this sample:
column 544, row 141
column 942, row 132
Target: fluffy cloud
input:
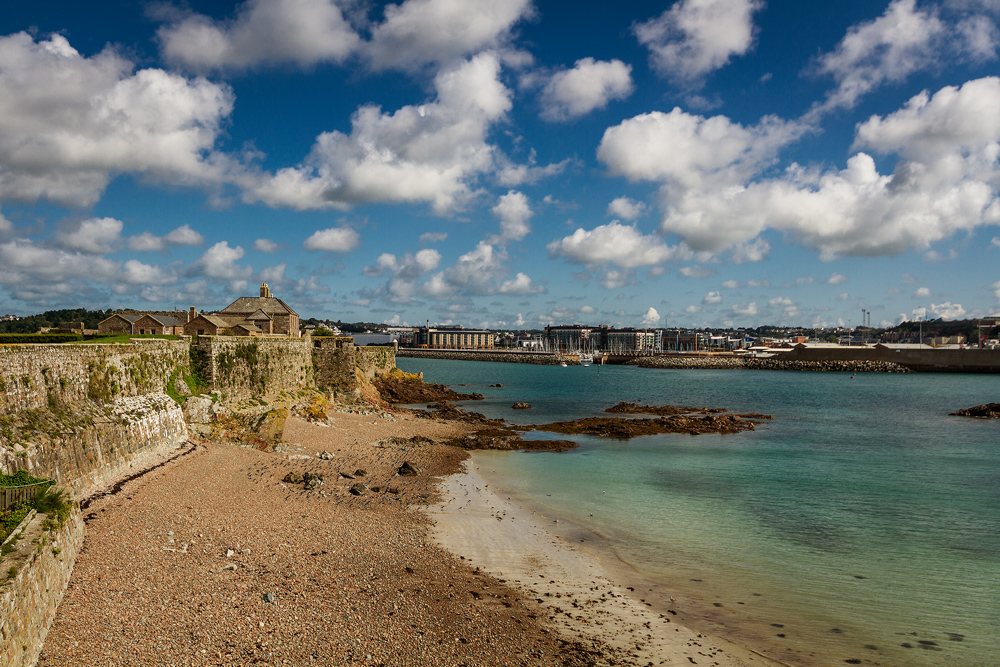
column 334, row 239
column 944, row 180
column 479, row 271
column 696, row 271
column 220, row 261
column 149, row 242
column 651, row 318
column 948, row 310
column 68, row 123
column 745, row 309
column 514, row 211
column 303, row 32
column 39, row 274
column 590, row 85
column 266, row 245
column 136, row 272
column 626, row 209
column 405, row 271
column 902, row 41
column 712, row 298
column 422, row 153
column 836, row 279
column 614, row 243
column 696, row 37
column 921, row 292
column 417, row 32
column 96, row 235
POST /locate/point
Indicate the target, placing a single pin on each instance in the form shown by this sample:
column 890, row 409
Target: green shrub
column 54, row 501
column 9, row 338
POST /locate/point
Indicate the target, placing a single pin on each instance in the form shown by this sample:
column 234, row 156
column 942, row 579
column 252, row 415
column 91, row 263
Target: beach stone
column 346, row 475
column 294, row 477
column 358, row 489
column 268, row 597
column 408, row 470
column 326, row 456
column 360, row 472
column 198, row 410
column 312, row 480
column 521, row 405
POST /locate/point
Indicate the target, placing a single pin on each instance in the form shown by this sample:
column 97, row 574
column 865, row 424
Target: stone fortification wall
column 85, row 445
column 240, row 366
column 36, row 376
column 506, row 356
column 29, row 599
column 375, row 360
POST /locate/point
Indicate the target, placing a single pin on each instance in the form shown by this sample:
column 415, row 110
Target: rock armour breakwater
column 770, row 364
column 504, row 356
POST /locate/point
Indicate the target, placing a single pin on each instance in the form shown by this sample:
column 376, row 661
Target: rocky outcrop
column 618, row 427
column 406, row 388
column 520, row 405
column 625, row 408
column 987, row 411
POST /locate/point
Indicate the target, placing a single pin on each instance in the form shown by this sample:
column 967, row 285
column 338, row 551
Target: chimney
column 192, row 313
column 264, row 290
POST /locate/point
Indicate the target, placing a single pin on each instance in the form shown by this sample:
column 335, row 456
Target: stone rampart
column 36, row 376
column 504, row 356
column 85, row 446
column 241, row 366
column 375, row 360
column 42, row 566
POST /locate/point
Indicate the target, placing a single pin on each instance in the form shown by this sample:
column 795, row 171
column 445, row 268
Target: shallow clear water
column 864, row 521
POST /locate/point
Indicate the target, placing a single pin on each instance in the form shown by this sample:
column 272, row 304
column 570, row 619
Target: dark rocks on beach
column 346, row 475
column 406, row 390
column 987, row 411
column 312, row 480
column 360, row 472
column 521, row 405
column 498, row 385
column 294, row 477
column 408, row 470
column 358, row 489
column 663, row 410
column 618, row 427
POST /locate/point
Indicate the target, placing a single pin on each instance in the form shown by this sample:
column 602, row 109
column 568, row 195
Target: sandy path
column 564, row 583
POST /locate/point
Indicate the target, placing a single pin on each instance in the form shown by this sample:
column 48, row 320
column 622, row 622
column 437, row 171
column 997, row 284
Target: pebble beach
column 212, row 559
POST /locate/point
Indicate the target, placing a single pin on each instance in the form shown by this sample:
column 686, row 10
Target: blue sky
column 508, row 164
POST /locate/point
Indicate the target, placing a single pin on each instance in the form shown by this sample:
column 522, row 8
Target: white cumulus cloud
column 589, row 85
column 263, row 32
column 514, row 212
column 614, row 243
column 624, row 208
column 334, row 239
column 696, row 37
column 96, row 235
column 651, row 318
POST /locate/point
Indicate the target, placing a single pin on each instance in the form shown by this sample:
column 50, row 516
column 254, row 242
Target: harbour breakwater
column 770, row 364
column 503, row 356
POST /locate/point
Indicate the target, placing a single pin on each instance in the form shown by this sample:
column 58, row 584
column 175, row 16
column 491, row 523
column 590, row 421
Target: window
column 201, row 332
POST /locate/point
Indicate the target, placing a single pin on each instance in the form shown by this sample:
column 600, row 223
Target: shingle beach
column 211, row 559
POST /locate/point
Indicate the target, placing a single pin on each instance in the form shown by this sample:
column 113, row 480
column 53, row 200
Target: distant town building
column 206, row 325
column 577, row 338
column 454, row 338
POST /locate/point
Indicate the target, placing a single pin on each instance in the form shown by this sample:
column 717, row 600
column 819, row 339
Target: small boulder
column 520, row 405
column 294, row 477
column 408, row 470
column 346, row 475
column 498, row 385
column 360, row 472
column 267, row 597
column 198, row 410
column 326, row 456
column 358, row 489
column 312, row 480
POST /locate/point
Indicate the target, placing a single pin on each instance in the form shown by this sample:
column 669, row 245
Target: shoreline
column 566, row 584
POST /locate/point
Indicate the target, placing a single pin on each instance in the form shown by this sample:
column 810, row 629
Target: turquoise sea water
column 862, row 523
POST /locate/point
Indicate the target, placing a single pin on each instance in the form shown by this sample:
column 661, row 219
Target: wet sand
column 564, row 582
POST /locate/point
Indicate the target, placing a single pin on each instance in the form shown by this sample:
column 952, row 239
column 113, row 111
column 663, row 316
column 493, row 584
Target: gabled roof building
column 268, row 313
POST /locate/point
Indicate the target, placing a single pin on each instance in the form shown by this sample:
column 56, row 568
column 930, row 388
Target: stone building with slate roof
column 268, row 313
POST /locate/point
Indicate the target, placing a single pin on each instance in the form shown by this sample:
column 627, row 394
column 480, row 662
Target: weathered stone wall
column 243, row 366
column 35, row 376
column 28, row 601
column 375, row 360
column 505, row 356
column 334, row 358
column 83, row 447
